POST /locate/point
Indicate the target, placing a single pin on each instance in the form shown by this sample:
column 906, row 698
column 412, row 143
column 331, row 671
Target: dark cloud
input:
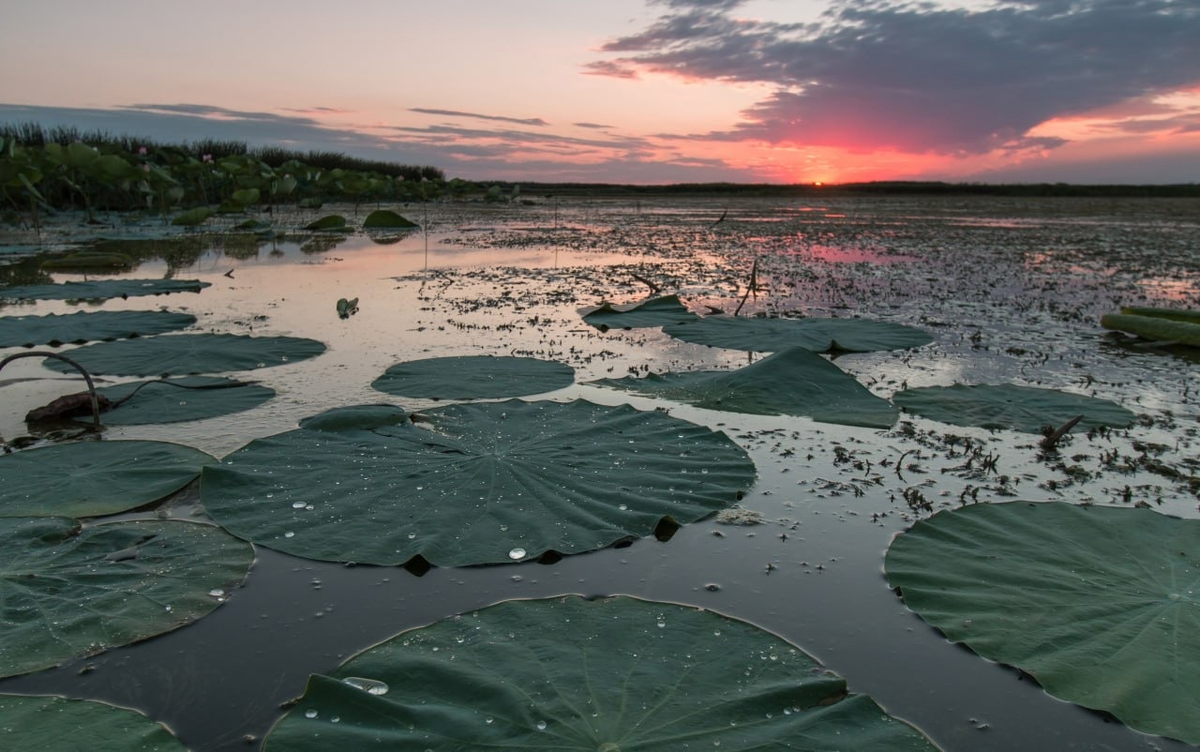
column 499, row 118
column 918, row 77
column 598, row 126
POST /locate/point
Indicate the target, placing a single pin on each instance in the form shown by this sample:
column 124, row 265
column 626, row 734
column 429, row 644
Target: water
column 1010, row 289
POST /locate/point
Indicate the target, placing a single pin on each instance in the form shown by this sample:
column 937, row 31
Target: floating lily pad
column 56, row 724
column 568, row 673
column 816, row 334
column 476, row 484
column 792, row 382
column 328, row 222
column 179, row 399
column 184, row 354
column 660, row 311
column 1020, row 408
column 1100, row 604
column 70, row 592
column 101, row 289
column 53, row 329
column 474, row 377
column 91, row 478
column 1179, row 328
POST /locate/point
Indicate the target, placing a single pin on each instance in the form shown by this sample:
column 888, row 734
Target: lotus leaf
column 356, row 418
column 660, row 311
column 54, row 329
column 385, row 218
column 101, row 289
column 1173, row 314
column 70, row 592
column 569, row 673
column 56, row 724
column 816, row 334
column 1100, row 604
column 475, row 484
column 1020, row 408
column 474, row 377
column 180, row 399
column 189, row 353
column 92, row 478
column 1158, row 328
column 193, row 217
column 329, row 222
column 795, row 381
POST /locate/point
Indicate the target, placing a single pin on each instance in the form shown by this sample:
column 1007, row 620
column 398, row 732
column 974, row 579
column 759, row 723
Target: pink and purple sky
column 638, row 91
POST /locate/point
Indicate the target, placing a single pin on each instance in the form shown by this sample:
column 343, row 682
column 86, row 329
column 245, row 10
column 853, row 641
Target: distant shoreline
column 921, row 188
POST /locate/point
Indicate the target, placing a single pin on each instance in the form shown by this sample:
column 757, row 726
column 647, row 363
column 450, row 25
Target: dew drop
column 541, row 725
column 517, row 554
column 310, row 714
column 298, row 505
column 370, row 686
column 289, row 534
column 489, row 720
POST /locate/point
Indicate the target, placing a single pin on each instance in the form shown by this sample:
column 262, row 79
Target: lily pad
column 795, row 381
column 92, row 478
column 56, row 724
column 1157, row 328
column 101, row 289
column 475, row 484
column 328, row 222
column 184, row 354
column 53, row 329
column 660, row 311
column 1020, row 408
column 569, row 673
column 1100, row 604
column 474, row 377
column 72, row 591
column 816, row 334
column 386, row 219
column 179, row 399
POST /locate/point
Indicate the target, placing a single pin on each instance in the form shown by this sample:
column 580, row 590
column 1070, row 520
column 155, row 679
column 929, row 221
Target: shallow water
column 1011, row 289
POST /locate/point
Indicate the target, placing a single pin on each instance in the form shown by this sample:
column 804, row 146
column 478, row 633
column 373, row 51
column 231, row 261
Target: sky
column 637, row 91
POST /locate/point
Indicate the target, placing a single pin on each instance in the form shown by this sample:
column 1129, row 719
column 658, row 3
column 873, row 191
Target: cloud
column 921, row 78
column 499, row 118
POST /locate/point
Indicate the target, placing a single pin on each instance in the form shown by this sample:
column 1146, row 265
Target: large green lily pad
column 52, row 329
column 476, row 484
column 1020, row 408
column 474, row 377
column 70, row 592
column 183, row 354
column 816, row 334
column 179, row 399
column 56, row 724
column 795, row 381
column 573, row 674
column 1100, row 604
column 660, row 311
column 92, row 478
column 101, row 289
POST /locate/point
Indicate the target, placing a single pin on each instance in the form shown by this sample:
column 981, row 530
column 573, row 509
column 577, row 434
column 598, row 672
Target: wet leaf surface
column 52, row 329
column 474, row 377
column 478, row 484
column 1020, row 408
column 183, row 354
column 817, row 334
column 567, row 673
column 57, row 724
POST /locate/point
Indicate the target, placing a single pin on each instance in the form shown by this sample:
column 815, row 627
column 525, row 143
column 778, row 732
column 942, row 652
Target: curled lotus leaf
column 56, row 724
column 792, row 382
column 1099, row 604
column 660, row 311
column 474, row 377
column 761, row 334
column 478, row 483
column 72, row 591
column 603, row 674
column 183, row 354
column 1020, row 408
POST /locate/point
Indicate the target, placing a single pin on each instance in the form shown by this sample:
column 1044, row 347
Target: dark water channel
column 1011, row 289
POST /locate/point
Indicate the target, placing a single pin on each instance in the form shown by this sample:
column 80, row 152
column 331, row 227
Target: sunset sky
column 637, row 91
